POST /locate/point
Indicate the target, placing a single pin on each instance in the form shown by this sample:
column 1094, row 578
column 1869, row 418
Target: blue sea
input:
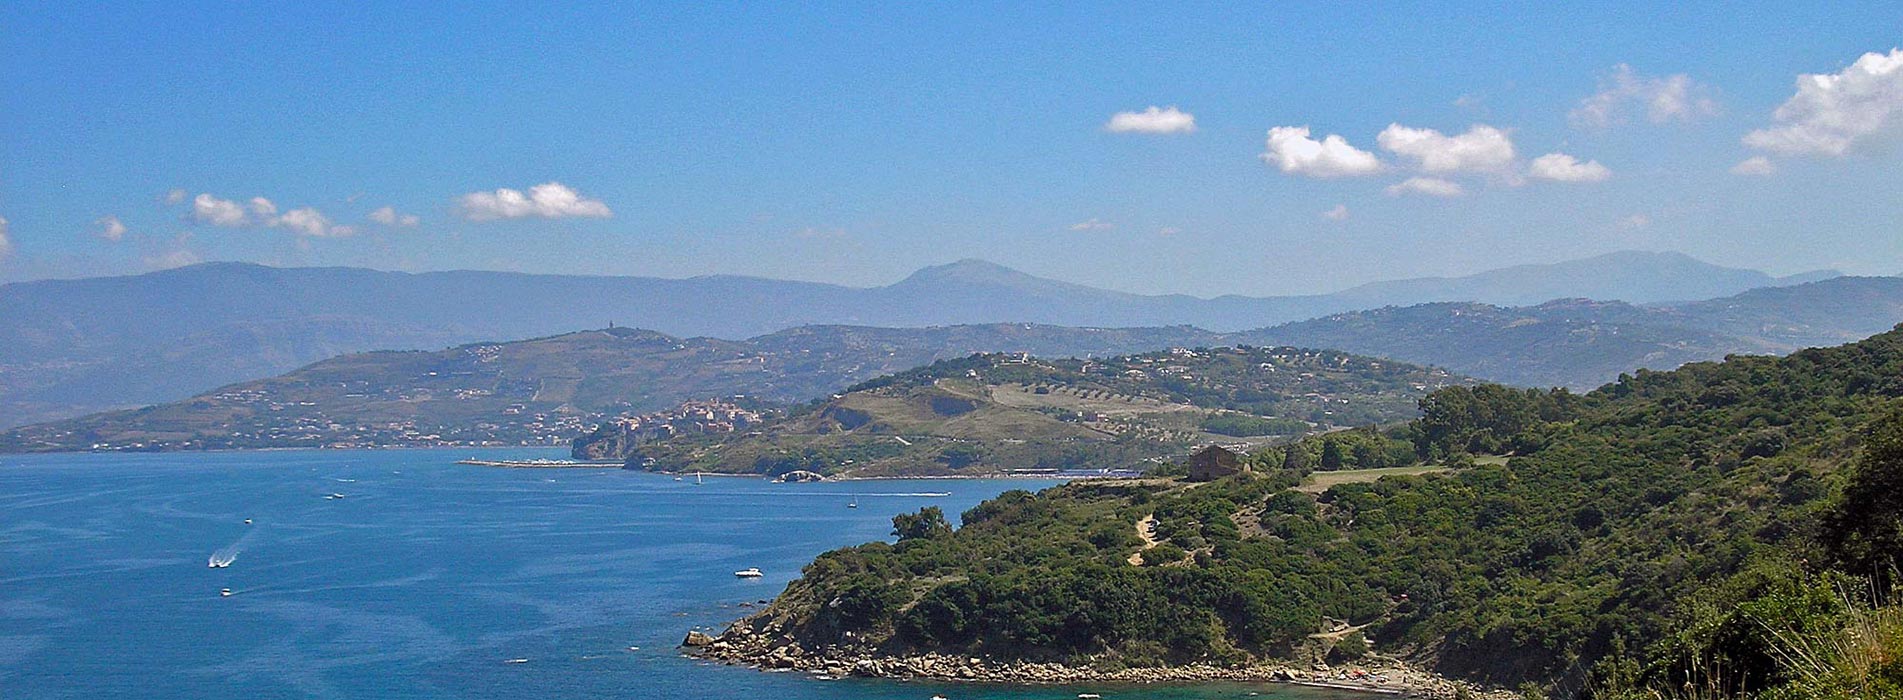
column 426, row 579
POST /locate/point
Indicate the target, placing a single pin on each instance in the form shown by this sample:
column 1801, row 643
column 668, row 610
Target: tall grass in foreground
column 1858, row 658
column 1862, row 660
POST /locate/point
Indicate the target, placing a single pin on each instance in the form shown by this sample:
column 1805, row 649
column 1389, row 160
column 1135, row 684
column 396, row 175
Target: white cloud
column 176, row 196
column 1168, row 231
column 389, row 216
column 1431, row 186
column 1339, row 213
column 218, row 212
column 306, row 221
column 549, row 200
column 1481, row 149
column 1635, row 222
column 261, row 212
column 109, row 228
column 1560, row 167
column 262, row 208
column 1092, row 224
column 1755, row 165
column 1832, row 114
column 1166, row 120
column 6, row 243
column 1290, row 149
column 1670, row 98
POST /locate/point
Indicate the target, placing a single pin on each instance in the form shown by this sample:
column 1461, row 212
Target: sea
column 401, row 574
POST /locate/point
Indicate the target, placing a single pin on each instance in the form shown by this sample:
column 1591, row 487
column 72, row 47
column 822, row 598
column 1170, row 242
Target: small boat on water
column 224, row 593
column 220, row 561
column 749, row 572
column 515, row 661
column 334, row 496
column 854, row 503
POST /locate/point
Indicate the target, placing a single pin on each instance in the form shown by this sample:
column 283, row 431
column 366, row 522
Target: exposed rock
column 697, row 638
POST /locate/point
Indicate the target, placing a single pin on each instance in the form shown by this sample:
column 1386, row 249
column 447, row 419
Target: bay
column 400, row 574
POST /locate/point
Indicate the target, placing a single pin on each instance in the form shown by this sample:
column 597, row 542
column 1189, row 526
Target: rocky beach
column 743, row 643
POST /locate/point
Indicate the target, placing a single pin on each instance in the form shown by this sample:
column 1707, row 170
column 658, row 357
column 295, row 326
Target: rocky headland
column 754, row 642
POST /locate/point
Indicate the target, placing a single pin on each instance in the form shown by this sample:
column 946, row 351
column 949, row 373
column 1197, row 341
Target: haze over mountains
column 70, row 347
column 551, row 389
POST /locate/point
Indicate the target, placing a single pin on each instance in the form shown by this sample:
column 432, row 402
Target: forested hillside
column 991, row 413
column 1666, row 523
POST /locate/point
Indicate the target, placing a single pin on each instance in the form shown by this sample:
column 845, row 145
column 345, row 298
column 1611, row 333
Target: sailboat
column 854, row 503
column 697, row 480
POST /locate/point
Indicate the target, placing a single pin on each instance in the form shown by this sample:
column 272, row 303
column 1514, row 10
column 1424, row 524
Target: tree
column 928, row 523
column 1864, row 528
column 1331, row 455
column 1294, row 459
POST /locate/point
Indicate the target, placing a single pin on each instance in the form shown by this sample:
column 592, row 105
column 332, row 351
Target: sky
column 1183, row 148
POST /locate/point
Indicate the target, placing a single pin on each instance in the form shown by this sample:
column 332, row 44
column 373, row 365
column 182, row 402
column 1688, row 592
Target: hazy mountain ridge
column 1574, row 343
column 69, row 347
column 1580, row 343
column 547, row 390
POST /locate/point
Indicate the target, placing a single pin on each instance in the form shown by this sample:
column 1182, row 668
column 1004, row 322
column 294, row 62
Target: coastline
column 741, row 645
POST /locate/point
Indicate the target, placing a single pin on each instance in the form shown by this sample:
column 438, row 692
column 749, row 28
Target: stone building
column 1214, row 462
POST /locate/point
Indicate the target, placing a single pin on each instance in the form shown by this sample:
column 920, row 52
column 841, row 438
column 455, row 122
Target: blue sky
column 853, row 143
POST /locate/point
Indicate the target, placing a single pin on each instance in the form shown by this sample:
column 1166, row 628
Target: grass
column 1322, row 481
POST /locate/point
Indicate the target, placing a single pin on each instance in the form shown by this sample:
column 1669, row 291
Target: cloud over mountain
column 1480, row 149
column 1664, row 99
column 1560, row 167
column 549, row 200
column 1430, row 186
column 1154, row 120
column 1290, row 149
column 1832, row 114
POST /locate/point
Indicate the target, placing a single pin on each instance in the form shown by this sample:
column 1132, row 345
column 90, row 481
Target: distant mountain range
column 69, row 347
column 1579, row 343
column 548, row 390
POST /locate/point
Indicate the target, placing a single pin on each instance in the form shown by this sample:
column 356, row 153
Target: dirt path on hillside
column 1146, row 529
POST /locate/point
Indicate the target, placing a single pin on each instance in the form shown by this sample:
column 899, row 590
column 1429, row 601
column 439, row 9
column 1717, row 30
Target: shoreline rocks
column 745, row 646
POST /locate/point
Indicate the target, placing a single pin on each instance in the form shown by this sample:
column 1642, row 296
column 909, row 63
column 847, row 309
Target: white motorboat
column 749, row 572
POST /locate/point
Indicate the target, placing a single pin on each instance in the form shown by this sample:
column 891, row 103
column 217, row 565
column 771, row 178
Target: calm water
column 423, row 581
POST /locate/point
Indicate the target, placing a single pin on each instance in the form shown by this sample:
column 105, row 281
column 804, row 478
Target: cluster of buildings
column 691, row 418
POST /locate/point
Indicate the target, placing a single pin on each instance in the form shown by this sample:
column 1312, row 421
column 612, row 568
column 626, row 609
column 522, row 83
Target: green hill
column 1669, row 522
column 994, row 413
column 548, row 390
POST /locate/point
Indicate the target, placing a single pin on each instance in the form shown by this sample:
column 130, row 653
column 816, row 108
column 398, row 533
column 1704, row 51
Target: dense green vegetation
column 992, row 412
column 1669, row 522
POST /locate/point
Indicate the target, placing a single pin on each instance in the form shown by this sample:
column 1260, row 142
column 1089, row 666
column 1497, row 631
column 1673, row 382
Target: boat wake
column 227, row 554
